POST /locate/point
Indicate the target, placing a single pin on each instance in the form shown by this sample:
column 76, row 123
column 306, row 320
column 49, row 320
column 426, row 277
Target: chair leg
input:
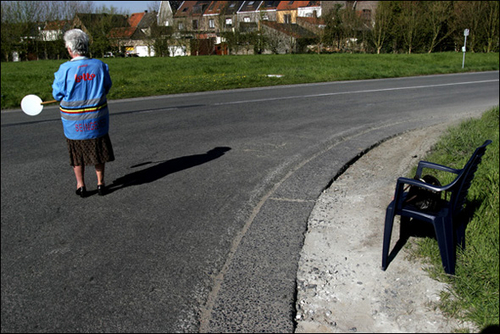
column 446, row 241
column 389, row 222
column 404, row 228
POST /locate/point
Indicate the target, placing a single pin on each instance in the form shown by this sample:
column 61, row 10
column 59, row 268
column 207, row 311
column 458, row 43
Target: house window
column 265, row 17
column 246, row 19
column 181, row 26
column 229, row 22
column 287, row 18
column 195, row 24
column 211, row 23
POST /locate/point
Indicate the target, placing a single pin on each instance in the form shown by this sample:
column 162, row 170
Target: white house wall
column 142, row 51
column 309, row 11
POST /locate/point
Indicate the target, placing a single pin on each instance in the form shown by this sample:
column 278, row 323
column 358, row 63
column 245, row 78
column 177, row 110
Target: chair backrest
column 461, row 188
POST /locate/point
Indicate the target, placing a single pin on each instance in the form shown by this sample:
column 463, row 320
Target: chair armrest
column 412, row 182
column 400, row 189
column 431, row 165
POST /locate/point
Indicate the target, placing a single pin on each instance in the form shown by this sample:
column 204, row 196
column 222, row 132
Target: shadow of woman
column 165, row 168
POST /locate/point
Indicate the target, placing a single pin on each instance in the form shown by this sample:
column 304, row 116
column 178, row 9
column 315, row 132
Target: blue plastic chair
column 449, row 228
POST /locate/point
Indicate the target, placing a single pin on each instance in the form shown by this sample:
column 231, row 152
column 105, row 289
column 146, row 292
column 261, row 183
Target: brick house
column 135, row 38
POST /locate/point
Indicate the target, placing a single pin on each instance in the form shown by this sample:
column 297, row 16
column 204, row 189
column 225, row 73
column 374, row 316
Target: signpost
column 466, row 33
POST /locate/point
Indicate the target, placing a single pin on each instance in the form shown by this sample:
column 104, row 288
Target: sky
column 130, row 6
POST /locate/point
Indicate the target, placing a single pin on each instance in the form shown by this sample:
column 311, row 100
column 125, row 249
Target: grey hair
column 77, row 41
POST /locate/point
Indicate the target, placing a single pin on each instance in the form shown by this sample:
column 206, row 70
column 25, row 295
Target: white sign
column 464, row 49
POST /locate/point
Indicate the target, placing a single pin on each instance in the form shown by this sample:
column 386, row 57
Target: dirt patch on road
column 341, row 287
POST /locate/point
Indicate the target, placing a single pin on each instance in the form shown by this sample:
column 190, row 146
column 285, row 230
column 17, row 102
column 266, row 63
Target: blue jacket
column 82, row 85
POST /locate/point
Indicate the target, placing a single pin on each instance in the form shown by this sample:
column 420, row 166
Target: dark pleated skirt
column 90, row 152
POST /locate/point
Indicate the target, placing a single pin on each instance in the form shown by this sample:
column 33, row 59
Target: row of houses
column 290, row 20
column 214, row 16
column 200, row 27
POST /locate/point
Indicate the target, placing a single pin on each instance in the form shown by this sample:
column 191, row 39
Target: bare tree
column 66, row 10
column 490, row 26
column 410, row 22
column 383, row 21
column 23, row 23
column 468, row 16
column 19, row 22
column 438, row 14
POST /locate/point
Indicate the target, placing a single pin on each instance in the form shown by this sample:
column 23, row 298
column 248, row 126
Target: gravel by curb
column 341, row 287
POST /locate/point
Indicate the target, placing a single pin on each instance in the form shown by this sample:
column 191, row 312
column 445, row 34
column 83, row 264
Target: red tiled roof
column 56, row 25
column 135, row 18
column 215, row 7
column 125, row 32
column 289, row 5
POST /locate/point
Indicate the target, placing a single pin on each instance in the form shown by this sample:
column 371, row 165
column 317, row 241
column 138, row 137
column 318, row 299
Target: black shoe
column 101, row 189
column 82, row 192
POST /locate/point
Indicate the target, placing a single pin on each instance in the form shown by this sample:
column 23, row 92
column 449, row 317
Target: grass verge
column 473, row 293
column 139, row 77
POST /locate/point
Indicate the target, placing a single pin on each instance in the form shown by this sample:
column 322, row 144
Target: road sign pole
column 466, row 33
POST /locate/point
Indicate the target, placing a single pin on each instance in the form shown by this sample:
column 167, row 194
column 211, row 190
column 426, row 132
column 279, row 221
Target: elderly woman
column 81, row 86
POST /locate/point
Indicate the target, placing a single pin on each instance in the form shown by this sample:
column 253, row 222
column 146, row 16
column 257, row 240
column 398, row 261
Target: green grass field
column 138, row 77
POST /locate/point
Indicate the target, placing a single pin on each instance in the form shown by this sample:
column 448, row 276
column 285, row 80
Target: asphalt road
column 210, row 195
